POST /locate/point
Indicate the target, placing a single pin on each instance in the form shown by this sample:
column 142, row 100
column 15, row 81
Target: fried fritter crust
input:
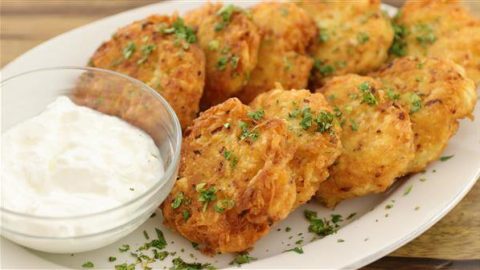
column 437, row 94
column 251, row 173
column 162, row 61
column 353, row 37
column 444, row 29
column 316, row 150
column 230, row 43
column 286, row 31
column 377, row 139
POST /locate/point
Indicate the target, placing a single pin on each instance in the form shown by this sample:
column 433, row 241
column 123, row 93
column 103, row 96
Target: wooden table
column 453, row 243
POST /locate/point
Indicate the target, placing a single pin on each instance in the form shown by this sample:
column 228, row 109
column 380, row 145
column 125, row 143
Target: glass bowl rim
column 169, row 171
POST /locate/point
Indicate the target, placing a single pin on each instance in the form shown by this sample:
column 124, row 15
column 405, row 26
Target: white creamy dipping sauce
column 72, row 160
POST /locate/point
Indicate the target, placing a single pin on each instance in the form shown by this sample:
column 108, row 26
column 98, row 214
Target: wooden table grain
column 452, row 243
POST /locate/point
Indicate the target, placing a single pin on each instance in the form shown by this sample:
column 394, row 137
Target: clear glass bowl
column 28, row 94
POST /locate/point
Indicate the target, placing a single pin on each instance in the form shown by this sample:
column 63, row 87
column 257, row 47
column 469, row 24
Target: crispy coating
column 286, row 31
column 352, row 38
column 444, row 29
column 171, row 65
column 246, row 162
column 316, row 149
column 377, row 139
column 230, row 41
column 437, row 94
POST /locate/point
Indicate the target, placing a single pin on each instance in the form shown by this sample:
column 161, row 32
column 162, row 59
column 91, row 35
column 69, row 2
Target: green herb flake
column 322, row 226
column 228, row 155
column 223, row 205
column 336, row 218
column 206, row 195
column 242, row 258
column 287, row 229
column 367, row 94
column 415, row 103
column 445, row 158
column 407, row 190
column 353, row 125
column 389, row 206
column 125, row 266
column 324, row 69
column 186, row 215
column 399, row 45
column 226, row 125
column 145, row 234
column 222, row 63
column 298, row 250
column 351, row 216
column 323, row 35
column 178, row 200
column 124, row 248
column 160, row 255
column 362, row 38
column 287, row 64
column 112, row 259
column 392, row 95
column 225, row 14
column 256, row 115
column 246, row 133
column 424, row 34
column 324, row 121
column 340, row 240
column 88, row 265
column 146, row 51
column 129, row 50
column 213, row 45
column 181, row 31
column 299, row 242
column 179, row 264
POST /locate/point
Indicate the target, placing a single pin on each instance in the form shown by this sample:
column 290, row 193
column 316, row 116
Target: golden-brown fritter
column 234, row 181
column 315, row 135
column 437, row 93
column 352, row 38
column 377, row 139
column 439, row 28
column 286, row 31
column 161, row 52
column 230, row 41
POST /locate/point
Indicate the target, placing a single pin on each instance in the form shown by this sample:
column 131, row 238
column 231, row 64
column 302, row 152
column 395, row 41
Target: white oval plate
column 374, row 232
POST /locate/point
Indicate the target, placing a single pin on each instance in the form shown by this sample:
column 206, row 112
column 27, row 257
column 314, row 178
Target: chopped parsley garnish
column 307, row 118
column 256, row 115
column 125, row 266
column 178, row 200
column 322, row 227
column 323, row 35
column 222, row 63
column 392, row 95
column 185, row 215
column 299, row 242
column 223, row 205
column 246, row 133
column 124, row 248
column 234, row 61
column 160, row 255
column 353, row 125
column 399, row 45
column 424, row 34
column 368, row 96
column 351, row 216
column 112, row 259
column 324, row 121
column 445, row 158
column 340, row 240
column 287, row 229
column 213, row 45
column 415, row 103
column 242, row 258
column 160, row 242
column 298, row 250
column 88, row 265
column 179, row 264
column 287, row 64
column 129, row 50
column 389, row 206
column 324, row 69
column 225, row 59
column 231, row 157
column 146, row 51
column 206, row 195
column 408, row 190
column 181, row 31
column 145, row 234
column 294, row 113
column 225, row 14
column 362, row 37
